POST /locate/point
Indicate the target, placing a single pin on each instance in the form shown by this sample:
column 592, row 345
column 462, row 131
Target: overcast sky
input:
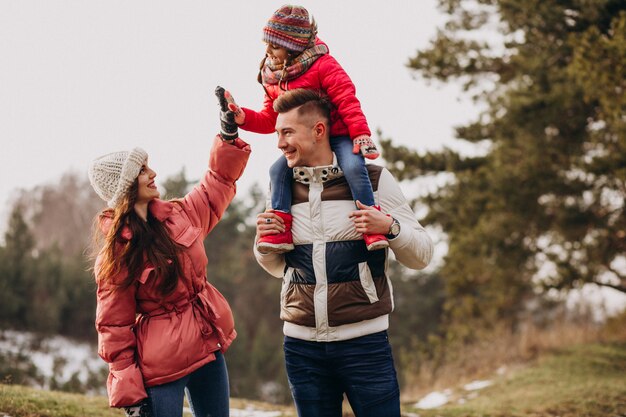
column 82, row 78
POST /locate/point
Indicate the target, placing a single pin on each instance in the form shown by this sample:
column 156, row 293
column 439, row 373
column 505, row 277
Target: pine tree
column 545, row 205
column 15, row 267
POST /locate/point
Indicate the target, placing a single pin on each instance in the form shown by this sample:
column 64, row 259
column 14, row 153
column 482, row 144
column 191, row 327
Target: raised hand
column 240, row 116
column 228, row 126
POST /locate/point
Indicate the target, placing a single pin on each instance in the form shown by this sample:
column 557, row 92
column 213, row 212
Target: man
column 336, row 297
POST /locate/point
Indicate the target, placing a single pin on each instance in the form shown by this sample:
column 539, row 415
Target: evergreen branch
column 621, row 288
column 619, row 275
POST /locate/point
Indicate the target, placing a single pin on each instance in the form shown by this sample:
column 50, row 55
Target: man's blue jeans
column 320, row 373
column 206, row 389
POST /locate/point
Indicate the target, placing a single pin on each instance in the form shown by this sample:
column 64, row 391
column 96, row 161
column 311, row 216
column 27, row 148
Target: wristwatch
column 394, row 229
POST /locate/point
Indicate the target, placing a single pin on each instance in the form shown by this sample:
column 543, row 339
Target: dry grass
column 584, row 380
column 501, row 351
column 20, row 401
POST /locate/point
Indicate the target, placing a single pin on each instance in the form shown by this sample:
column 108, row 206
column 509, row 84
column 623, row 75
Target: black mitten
column 228, row 127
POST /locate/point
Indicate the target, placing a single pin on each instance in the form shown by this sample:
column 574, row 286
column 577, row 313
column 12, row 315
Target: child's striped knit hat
column 289, row 27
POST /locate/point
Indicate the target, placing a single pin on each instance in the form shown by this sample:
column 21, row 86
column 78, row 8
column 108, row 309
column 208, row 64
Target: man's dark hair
column 306, row 101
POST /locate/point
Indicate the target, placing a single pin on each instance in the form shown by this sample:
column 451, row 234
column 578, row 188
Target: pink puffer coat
column 326, row 75
column 148, row 340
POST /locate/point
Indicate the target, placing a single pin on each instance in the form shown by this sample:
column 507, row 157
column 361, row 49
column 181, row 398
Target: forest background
column 537, row 210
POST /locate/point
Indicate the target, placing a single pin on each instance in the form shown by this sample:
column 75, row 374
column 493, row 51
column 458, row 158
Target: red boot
column 278, row 243
column 376, row 241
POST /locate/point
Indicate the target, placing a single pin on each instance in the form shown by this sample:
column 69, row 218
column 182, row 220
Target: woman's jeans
column 353, row 167
column 320, row 373
column 206, row 389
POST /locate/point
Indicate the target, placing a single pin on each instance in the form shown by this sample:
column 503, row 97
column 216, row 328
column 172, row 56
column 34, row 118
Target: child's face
column 276, row 53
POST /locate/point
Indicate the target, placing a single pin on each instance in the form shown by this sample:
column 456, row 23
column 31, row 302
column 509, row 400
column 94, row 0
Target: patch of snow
column 79, row 358
column 476, row 385
column 54, row 357
column 271, row 391
column 434, row 399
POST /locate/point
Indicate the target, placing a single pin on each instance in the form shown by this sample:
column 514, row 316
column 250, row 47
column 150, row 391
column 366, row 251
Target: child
column 296, row 58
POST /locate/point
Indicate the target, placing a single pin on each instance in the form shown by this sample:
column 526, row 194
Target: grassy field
column 18, row 401
column 581, row 381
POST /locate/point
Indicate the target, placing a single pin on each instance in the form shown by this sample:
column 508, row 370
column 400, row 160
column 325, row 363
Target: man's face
column 297, row 138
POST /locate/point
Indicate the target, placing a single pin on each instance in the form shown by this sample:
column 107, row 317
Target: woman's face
column 146, row 188
column 276, row 53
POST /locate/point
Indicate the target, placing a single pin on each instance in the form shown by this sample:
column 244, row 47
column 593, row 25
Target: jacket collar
column 319, row 174
column 160, row 209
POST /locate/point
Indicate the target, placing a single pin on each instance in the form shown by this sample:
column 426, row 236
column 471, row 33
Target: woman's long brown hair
column 150, row 242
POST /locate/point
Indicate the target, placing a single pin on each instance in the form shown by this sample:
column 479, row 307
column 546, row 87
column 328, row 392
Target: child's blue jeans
column 352, row 165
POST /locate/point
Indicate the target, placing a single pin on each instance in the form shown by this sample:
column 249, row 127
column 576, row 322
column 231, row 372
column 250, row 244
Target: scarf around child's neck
column 276, row 73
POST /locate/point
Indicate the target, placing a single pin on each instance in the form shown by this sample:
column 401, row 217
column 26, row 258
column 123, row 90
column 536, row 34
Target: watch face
column 395, row 228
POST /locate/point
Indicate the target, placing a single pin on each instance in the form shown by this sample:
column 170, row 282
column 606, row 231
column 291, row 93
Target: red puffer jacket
column 149, row 340
column 326, row 75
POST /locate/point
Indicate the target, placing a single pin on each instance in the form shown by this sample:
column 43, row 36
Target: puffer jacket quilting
column 149, row 340
column 333, row 288
column 328, row 76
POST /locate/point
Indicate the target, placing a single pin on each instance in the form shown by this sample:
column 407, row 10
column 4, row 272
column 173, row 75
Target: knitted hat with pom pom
column 113, row 174
column 290, row 28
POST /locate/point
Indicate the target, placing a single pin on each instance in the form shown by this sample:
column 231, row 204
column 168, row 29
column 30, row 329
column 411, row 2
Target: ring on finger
column 268, row 220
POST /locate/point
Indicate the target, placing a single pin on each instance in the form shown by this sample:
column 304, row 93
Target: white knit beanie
column 113, row 174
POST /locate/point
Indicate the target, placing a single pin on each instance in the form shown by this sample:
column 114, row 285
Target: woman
column 161, row 326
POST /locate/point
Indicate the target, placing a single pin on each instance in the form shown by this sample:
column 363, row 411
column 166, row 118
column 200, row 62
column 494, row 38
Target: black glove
column 141, row 409
column 228, row 127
